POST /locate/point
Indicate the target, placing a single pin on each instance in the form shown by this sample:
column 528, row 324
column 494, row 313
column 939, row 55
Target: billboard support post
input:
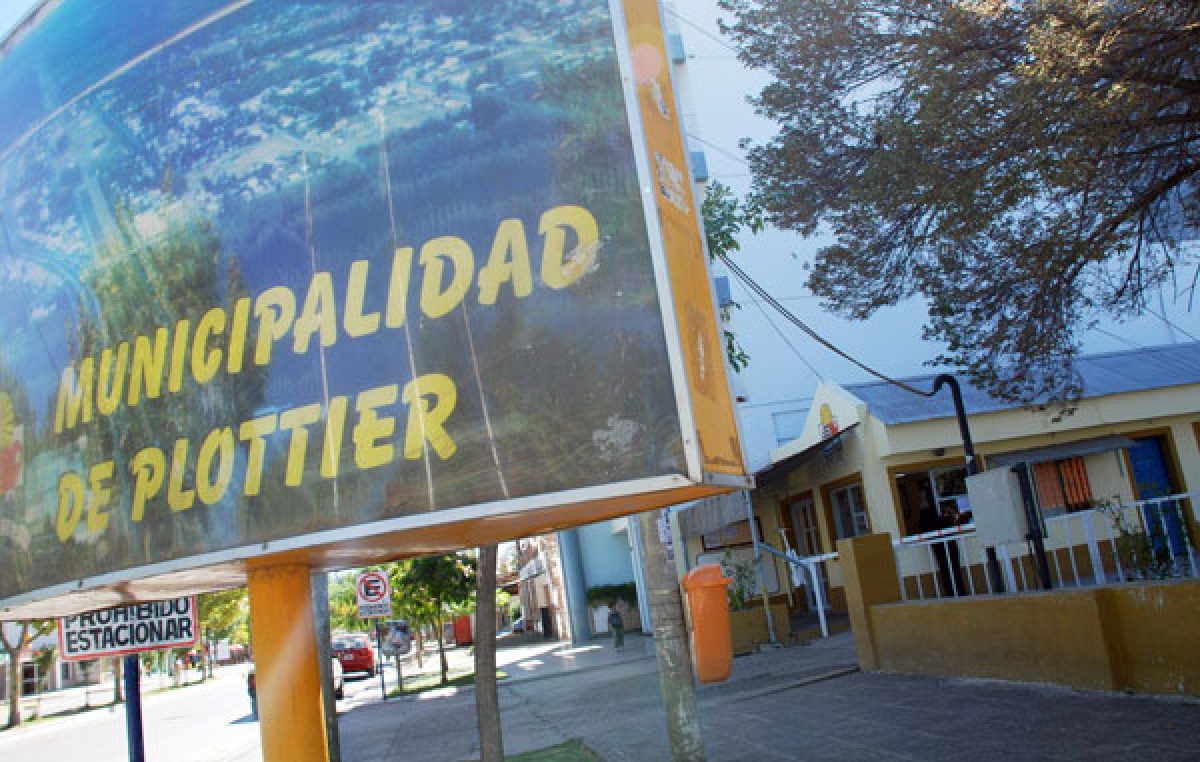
column 291, row 719
column 133, row 708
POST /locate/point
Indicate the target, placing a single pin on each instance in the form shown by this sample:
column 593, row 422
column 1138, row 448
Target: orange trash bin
column 712, row 640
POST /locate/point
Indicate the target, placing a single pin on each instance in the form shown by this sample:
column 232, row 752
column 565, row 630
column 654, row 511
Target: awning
column 781, row 467
column 711, row 514
column 1060, row 452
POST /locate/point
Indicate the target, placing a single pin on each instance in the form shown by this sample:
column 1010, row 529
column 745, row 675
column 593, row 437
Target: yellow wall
column 1134, row 637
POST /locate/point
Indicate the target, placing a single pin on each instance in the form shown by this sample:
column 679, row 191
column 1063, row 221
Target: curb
column 786, row 686
column 511, row 680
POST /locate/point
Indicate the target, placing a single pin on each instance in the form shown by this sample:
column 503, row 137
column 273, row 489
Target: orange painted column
column 284, row 636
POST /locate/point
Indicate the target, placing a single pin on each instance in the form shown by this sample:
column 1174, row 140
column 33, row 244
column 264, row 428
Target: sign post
column 373, row 591
column 127, row 631
column 133, row 708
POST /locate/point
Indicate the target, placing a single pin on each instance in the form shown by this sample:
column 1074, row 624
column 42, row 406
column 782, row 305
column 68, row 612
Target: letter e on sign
column 374, row 594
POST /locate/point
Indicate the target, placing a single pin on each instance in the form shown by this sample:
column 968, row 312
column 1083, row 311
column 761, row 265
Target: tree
column 16, row 639
column 725, row 217
column 1027, row 166
column 221, row 615
column 432, row 583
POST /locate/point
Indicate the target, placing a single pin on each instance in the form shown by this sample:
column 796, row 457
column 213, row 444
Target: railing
column 1144, row 539
column 806, row 572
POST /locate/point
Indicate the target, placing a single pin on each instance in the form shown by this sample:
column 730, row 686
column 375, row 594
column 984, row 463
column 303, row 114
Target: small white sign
column 374, row 593
column 122, row 630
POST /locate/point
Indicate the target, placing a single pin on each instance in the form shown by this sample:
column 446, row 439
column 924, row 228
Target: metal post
column 133, row 709
column 1035, row 525
column 964, row 430
column 758, row 566
column 320, row 598
column 379, row 647
column 960, row 413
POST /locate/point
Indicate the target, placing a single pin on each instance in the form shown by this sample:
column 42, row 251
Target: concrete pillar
column 869, row 575
column 634, row 535
column 574, row 585
column 283, row 628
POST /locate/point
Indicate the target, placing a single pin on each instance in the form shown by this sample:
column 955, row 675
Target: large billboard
column 278, row 273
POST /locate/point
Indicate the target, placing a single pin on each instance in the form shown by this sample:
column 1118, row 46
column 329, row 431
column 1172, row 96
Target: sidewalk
column 801, row 703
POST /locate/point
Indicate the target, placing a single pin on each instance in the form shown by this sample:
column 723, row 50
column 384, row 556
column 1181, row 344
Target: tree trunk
column 441, row 638
column 420, row 645
column 671, row 644
column 118, row 683
column 16, row 652
column 487, row 700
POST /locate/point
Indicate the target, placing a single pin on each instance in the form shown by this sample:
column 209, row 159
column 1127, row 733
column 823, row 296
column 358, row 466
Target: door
column 804, row 519
column 1152, row 478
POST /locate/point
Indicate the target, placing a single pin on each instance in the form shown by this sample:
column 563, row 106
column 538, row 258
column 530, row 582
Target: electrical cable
column 702, row 30
column 783, row 337
column 812, row 334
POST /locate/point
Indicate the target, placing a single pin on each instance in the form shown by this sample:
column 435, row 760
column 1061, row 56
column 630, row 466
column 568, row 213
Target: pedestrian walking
column 617, row 626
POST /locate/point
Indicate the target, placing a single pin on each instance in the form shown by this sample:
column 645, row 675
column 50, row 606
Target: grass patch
column 429, row 681
column 573, row 750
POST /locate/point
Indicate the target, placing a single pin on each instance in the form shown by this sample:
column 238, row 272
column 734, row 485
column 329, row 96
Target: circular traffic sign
column 372, row 587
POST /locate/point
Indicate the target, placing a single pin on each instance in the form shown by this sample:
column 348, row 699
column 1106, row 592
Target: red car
column 355, row 653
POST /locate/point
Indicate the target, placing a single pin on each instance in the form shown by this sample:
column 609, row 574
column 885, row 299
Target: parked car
column 339, row 678
column 355, row 653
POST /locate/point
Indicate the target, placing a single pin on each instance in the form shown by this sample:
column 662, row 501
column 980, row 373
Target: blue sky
column 11, row 12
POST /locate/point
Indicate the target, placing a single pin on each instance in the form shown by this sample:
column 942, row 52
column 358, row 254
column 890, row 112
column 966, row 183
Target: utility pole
column 487, row 697
column 675, row 672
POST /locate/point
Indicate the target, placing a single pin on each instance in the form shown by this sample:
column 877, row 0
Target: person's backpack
column 614, row 618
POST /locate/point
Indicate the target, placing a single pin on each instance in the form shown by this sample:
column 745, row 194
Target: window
column 933, row 499
column 1062, row 486
column 737, row 533
column 850, row 511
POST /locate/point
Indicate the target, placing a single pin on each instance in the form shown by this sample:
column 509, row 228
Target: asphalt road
column 202, row 722
column 205, row 722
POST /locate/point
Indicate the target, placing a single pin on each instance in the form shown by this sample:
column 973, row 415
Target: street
column 204, row 722
column 201, row 722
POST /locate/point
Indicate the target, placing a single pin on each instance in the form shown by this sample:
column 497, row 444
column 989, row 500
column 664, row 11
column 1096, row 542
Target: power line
column 784, row 338
column 702, row 30
column 724, row 152
column 753, row 285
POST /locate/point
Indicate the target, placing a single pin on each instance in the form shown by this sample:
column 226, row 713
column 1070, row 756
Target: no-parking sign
column 374, row 594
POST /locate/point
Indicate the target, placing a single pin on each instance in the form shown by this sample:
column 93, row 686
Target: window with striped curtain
column 1062, row 485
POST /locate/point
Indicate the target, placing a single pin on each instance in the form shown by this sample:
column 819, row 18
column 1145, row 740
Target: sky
column 11, row 11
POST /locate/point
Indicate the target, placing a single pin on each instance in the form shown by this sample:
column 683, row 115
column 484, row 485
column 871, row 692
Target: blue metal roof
column 1102, row 375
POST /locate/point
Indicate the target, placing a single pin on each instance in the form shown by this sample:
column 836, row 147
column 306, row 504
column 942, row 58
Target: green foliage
column 601, row 595
column 44, row 659
column 1026, row 167
column 725, row 217
column 430, row 586
column 223, row 614
column 16, row 648
column 741, row 589
column 573, row 750
column 1143, row 555
column 422, row 682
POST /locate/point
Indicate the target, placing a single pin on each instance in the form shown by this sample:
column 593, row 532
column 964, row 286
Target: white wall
column 714, row 87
